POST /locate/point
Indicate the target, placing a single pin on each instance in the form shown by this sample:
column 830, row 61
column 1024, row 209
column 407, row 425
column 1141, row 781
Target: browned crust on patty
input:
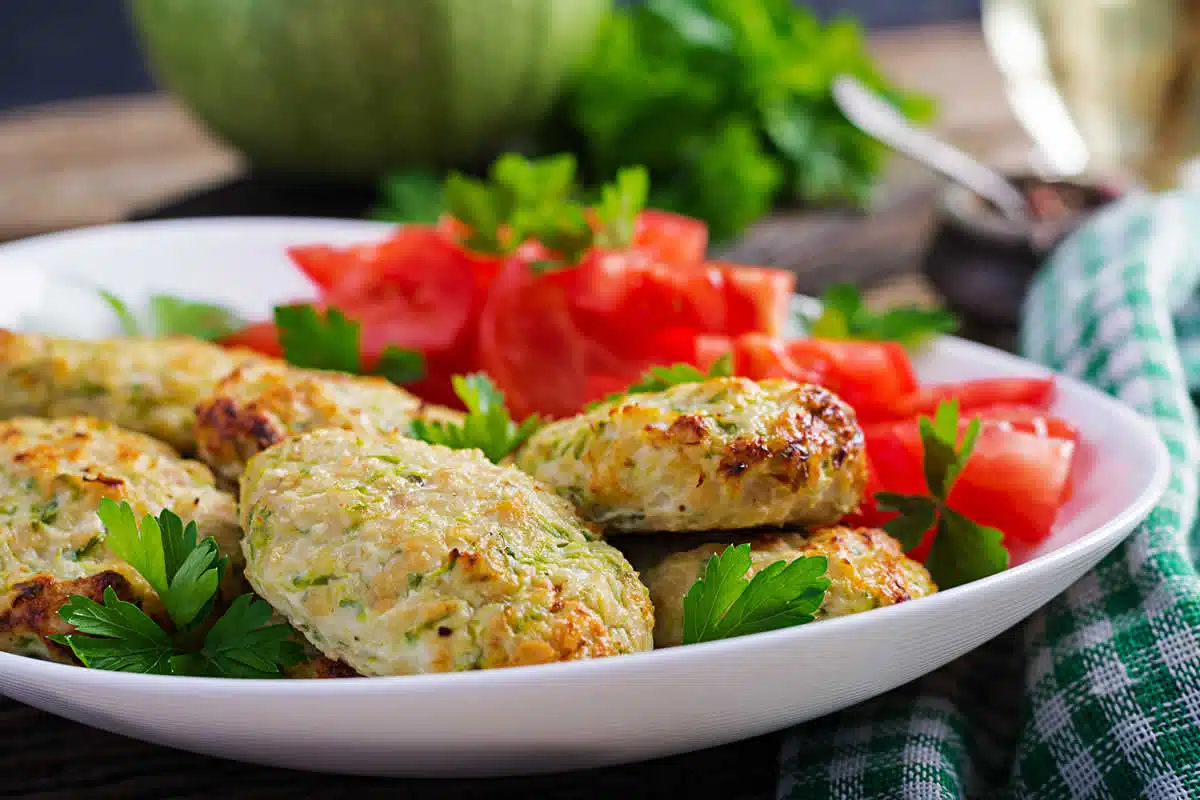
column 30, row 610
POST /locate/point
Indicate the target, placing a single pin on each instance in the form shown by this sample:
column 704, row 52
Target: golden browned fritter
column 400, row 557
column 724, row 454
column 146, row 385
column 867, row 570
column 318, row 666
column 53, row 475
column 29, row 612
column 262, row 403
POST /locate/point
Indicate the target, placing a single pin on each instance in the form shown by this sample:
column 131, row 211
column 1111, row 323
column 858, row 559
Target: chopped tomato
column 623, row 298
column 1028, row 419
column 356, row 269
column 864, row 374
column 670, row 238
column 324, row 265
column 679, row 346
column 867, row 375
column 758, row 356
column 260, row 336
column 530, row 346
column 973, row 395
column 757, row 299
column 421, row 296
column 1014, row 481
column 415, row 290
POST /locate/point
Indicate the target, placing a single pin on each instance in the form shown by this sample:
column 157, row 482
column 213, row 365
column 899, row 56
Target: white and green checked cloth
column 1098, row 694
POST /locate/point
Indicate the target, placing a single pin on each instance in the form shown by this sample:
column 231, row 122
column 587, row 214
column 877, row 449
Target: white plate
column 559, row 716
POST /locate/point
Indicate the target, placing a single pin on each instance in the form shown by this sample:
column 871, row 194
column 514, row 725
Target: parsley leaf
column 400, row 366
column 619, row 206
column 313, row 342
column 657, row 379
column 723, row 604
column 962, row 550
column 844, row 316
column 711, row 596
column 487, row 426
column 242, row 645
column 174, row 316
column 115, row 636
column 564, row 229
column 523, row 199
column 471, row 202
column 520, row 198
column 332, row 343
column 917, row 515
column 525, row 183
column 126, row 318
column 184, row 573
column 410, row 197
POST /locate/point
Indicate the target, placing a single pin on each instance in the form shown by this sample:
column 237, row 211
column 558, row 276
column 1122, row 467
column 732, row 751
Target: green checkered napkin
column 1098, row 694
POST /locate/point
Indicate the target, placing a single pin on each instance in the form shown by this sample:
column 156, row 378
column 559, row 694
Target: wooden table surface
column 95, row 161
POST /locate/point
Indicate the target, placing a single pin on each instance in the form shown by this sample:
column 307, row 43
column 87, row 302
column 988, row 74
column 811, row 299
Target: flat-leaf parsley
column 330, row 341
column 658, row 379
column 844, row 316
column 119, row 636
column 962, row 550
column 723, row 604
column 488, row 425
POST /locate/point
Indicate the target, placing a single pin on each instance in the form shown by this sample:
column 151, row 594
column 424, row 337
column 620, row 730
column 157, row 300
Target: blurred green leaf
column 410, row 197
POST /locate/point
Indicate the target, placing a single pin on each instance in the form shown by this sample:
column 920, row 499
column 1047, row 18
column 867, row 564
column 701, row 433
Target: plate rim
column 1107, row 535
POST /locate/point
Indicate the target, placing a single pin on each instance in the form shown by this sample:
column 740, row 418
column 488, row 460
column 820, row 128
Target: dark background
column 61, row 49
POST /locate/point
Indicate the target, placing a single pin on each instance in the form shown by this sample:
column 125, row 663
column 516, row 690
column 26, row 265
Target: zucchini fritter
column 53, row 474
column 146, row 385
column 725, row 454
column 399, row 557
column 262, row 403
column 867, row 569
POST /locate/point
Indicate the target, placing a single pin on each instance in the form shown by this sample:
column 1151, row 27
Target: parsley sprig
column 184, row 571
column 723, row 604
column 962, row 550
column 844, row 316
column 174, row 316
column 488, row 425
column 330, row 341
column 522, row 199
column 657, row 379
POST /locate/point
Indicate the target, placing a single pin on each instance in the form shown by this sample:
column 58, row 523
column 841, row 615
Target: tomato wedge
column 973, row 395
column 759, row 357
column 1028, row 419
column 420, row 297
column 260, row 336
column 530, row 345
column 324, row 265
column 867, row 375
column 757, row 299
column 622, row 299
column 1014, row 480
column 670, row 238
